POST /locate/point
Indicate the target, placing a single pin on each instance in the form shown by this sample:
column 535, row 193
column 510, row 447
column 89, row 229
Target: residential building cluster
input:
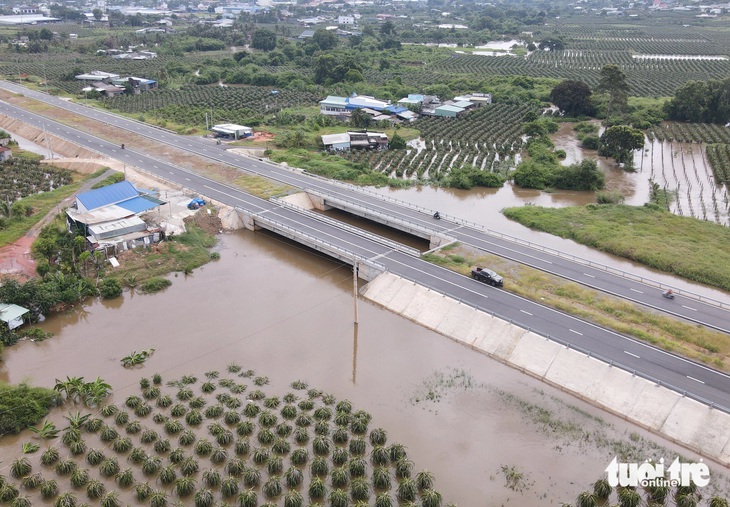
column 111, row 85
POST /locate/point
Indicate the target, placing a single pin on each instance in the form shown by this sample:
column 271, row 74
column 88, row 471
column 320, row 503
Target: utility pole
column 354, row 288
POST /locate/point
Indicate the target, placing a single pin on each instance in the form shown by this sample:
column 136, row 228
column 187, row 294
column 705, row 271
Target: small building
column 98, row 75
column 407, row 115
column 345, row 20
column 448, row 111
column 413, row 99
column 365, row 140
column 464, row 104
column 361, row 101
column 12, row 315
column 333, row 106
column 137, row 83
column 109, row 217
column 109, row 90
column 232, row 131
column 5, row 153
column 336, row 142
column 306, row 34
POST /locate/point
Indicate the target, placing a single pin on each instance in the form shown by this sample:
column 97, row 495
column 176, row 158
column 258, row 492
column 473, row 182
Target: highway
column 697, row 381
column 694, row 308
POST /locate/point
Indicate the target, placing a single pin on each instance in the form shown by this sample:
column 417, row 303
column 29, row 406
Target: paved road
column 710, row 313
column 697, row 381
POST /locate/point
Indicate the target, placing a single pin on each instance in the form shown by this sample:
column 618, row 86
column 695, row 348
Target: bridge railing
column 338, row 199
column 551, row 251
column 296, row 233
column 341, row 225
column 586, row 352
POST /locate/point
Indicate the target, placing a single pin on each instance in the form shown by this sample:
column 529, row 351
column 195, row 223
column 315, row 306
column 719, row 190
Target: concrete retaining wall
column 656, row 408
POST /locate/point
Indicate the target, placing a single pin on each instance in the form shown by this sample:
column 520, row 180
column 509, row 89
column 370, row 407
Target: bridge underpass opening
column 420, row 244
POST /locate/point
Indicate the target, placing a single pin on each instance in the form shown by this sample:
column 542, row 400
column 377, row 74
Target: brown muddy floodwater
column 483, row 205
column 286, row 313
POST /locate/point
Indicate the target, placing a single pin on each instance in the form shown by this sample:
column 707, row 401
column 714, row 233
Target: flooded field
column 490, row 434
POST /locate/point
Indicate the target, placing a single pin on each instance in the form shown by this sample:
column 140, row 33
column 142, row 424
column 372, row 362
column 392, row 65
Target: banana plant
column 47, row 430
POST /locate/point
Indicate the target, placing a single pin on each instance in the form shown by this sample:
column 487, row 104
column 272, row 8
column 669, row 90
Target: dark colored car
column 487, row 276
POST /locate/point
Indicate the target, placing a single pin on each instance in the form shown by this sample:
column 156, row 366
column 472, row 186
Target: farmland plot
column 482, row 139
column 683, row 171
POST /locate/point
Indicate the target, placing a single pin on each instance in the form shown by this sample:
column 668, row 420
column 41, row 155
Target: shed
column 97, row 75
column 464, row 104
column 99, row 232
column 413, row 98
column 448, row 111
column 333, row 105
column 336, row 142
column 12, row 315
column 232, row 131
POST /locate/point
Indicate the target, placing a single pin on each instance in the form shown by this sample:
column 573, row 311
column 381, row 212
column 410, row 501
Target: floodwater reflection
column 287, row 313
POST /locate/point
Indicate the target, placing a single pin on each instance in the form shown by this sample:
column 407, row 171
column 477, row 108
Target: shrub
column 23, row 406
column 110, row 288
column 154, row 284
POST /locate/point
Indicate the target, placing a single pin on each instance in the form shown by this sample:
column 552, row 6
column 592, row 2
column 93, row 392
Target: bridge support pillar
column 247, row 220
column 318, row 203
column 439, row 240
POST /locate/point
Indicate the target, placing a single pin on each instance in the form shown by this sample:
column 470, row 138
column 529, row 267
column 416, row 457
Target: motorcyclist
column 437, row 215
column 122, row 145
column 668, row 293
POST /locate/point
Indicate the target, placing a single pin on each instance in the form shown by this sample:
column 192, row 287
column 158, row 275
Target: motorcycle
column 122, row 146
column 668, row 294
column 437, row 216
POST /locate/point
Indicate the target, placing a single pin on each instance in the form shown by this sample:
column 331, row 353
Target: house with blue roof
column 110, row 215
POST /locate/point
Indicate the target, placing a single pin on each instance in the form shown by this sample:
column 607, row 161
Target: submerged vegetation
column 218, row 461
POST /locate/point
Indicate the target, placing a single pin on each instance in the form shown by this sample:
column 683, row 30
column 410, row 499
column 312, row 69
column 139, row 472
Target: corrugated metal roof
column 11, row 312
column 138, row 204
column 449, row 108
column 104, row 196
column 117, row 228
column 335, row 100
column 335, row 139
column 463, row 104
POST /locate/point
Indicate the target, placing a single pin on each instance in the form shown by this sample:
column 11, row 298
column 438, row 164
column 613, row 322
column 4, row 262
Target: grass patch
column 698, row 250
column 182, row 253
column 690, row 340
column 261, row 187
column 154, row 284
column 111, row 180
column 41, row 204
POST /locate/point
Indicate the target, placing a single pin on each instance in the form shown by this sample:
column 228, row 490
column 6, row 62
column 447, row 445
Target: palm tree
column 430, row 498
column 717, row 501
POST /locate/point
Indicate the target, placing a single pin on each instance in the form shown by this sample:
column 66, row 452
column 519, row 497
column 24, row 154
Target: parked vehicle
column 487, row 276
column 196, row 203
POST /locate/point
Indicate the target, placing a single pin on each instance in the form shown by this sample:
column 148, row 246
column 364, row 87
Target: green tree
column 323, row 67
column 552, row 44
column 397, row 142
column 573, row 98
column 613, row 82
column 263, row 39
column 324, row 39
column 701, row 101
column 619, row 142
column 532, row 174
